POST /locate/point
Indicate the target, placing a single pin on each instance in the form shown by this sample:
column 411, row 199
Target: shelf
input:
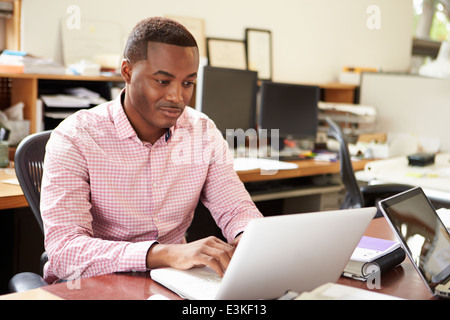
column 60, row 77
column 24, row 87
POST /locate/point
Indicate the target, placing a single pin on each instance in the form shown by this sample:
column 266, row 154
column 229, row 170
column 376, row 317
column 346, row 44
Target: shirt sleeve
column 71, row 246
column 224, row 193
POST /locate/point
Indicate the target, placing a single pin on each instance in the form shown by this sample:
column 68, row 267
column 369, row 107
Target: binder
column 372, row 255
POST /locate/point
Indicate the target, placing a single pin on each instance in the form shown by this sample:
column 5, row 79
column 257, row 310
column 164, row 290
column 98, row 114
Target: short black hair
column 156, row 29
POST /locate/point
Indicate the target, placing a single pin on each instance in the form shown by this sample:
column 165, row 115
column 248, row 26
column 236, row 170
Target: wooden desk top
column 305, row 168
column 403, row 281
column 11, row 196
column 34, row 294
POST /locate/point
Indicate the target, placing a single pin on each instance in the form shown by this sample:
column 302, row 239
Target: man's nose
column 175, row 93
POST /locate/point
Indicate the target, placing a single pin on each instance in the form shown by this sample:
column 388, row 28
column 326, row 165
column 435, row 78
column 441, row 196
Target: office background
column 312, row 40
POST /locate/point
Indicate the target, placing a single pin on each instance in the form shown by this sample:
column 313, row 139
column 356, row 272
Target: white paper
column 244, row 164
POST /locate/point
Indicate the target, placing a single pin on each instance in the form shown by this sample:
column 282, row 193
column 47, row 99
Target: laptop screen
column 422, row 233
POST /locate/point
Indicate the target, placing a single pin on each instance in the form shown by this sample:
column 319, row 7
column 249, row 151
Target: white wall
column 412, row 105
column 312, row 39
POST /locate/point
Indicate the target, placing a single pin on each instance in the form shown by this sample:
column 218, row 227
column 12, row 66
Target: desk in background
column 434, row 179
column 320, row 187
column 20, row 236
column 305, row 168
column 11, row 195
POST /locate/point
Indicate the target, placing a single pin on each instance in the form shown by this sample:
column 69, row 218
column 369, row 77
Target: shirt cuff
column 134, row 257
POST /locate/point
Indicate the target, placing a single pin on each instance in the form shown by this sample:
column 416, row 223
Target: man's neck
column 150, row 135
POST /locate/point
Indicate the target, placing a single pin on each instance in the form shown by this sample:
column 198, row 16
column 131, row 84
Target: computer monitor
column 290, row 108
column 229, row 97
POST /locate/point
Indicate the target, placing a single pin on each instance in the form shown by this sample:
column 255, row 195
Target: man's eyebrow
column 167, row 74
column 164, row 73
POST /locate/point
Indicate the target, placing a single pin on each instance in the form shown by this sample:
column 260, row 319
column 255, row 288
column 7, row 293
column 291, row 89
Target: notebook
column 423, row 235
column 277, row 254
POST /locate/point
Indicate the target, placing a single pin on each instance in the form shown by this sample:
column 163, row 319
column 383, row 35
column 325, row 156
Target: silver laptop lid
column 423, row 235
column 296, row 252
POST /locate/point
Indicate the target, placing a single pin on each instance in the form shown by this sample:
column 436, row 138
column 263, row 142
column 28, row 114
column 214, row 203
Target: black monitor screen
column 229, row 97
column 290, row 108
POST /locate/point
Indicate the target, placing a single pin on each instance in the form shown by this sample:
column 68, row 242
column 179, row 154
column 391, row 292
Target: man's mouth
column 172, row 112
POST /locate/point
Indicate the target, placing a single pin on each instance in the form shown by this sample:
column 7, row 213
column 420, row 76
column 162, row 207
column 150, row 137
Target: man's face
column 159, row 88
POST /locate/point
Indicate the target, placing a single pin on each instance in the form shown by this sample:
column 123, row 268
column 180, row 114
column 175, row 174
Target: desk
column 11, row 196
column 403, row 281
column 305, row 168
column 434, row 179
column 322, row 191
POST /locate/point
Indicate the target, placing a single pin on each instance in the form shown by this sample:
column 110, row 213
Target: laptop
column 276, row 255
column 423, row 235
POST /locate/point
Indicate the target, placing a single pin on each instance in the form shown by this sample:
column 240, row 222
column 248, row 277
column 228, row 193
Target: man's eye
column 189, row 83
column 163, row 82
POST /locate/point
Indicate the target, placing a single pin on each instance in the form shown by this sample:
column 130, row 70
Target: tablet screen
column 422, row 233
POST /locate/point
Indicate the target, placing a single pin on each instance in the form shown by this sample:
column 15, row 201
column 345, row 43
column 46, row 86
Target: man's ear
column 125, row 70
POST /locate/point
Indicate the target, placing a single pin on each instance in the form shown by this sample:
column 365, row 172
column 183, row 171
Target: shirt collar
column 123, row 126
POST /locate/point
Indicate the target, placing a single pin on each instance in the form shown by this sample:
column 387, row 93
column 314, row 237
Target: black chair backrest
column 28, row 163
column 353, row 196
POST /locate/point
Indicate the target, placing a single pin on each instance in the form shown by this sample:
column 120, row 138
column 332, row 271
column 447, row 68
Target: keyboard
column 193, row 284
column 294, row 158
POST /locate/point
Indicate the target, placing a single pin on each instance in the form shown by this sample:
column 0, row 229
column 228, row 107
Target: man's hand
column 210, row 251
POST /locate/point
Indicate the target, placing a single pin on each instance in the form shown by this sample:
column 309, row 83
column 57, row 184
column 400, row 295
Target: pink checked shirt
column 107, row 196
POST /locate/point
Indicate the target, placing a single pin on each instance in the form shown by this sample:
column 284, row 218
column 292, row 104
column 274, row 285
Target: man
column 122, row 180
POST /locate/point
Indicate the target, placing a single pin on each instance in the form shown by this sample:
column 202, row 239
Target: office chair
column 356, row 196
column 28, row 163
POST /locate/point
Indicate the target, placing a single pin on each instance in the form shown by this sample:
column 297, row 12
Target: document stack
column 359, row 119
column 13, row 61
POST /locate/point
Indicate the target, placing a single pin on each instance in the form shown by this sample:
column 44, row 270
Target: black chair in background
column 28, row 163
column 357, row 196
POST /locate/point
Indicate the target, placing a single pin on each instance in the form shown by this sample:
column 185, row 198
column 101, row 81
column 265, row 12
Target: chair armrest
column 373, row 193
column 382, row 189
column 25, row 281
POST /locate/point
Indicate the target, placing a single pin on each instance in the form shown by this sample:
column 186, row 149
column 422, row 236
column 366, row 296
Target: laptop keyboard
column 194, row 284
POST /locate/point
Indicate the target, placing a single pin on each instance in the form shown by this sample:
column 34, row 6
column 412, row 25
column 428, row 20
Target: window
column 432, row 19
